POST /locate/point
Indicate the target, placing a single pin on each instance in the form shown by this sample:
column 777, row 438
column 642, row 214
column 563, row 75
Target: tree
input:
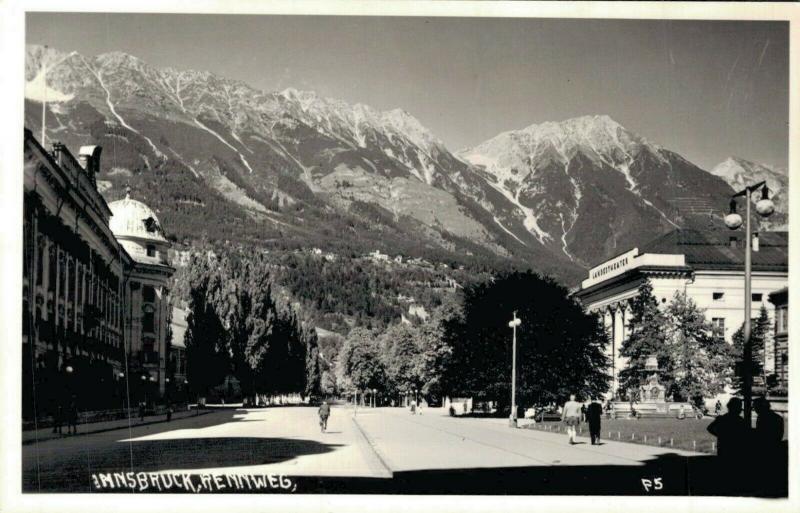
column 700, row 361
column 361, row 362
column 647, row 338
column 560, row 348
column 401, row 356
column 759, row 333
column 313, row 373
column 328, row 383
column 206, row 359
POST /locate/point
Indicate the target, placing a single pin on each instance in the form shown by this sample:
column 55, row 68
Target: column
column 83, row 298
column 619, row 336
column 57, row 294
column 65, row 292
column 608, row 324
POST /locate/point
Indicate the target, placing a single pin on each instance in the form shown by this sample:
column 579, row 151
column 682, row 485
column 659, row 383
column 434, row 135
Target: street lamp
column 764, row 207
column 512, row 420
column 374, row 399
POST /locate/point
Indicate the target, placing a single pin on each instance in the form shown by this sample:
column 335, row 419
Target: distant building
column 419, row 312
column 707, row 265
column 378, row 256
column 780, row 299
column 94, row 280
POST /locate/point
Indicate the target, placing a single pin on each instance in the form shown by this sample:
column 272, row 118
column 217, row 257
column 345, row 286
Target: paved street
column 383, row 450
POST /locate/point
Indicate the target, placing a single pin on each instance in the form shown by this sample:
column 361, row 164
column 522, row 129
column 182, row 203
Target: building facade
column 707, row 265
column 780, row 299
column 78, row 285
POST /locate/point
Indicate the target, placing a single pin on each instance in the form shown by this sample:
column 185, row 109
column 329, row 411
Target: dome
column 131, row 218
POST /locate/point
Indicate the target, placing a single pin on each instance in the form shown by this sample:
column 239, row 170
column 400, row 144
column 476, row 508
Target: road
column 381, row 450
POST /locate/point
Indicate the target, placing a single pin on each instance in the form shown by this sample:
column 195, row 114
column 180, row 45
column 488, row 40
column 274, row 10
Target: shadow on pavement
column 73, row 474
column 66, row 465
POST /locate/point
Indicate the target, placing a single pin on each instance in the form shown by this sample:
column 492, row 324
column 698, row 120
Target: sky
column 705, row 89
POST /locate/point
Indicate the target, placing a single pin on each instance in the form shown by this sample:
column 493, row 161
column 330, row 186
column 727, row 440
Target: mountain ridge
column 557, row 195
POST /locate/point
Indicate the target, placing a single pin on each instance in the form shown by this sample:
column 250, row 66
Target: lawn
column 689, row 434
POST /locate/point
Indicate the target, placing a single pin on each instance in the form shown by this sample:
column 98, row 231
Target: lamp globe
column 733, row 221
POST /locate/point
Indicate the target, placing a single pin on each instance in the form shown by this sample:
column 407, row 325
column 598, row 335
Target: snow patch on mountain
column 116, row 115
column 39, row 91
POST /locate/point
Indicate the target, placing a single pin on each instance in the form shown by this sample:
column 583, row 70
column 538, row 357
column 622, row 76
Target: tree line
column 237, row 326
column 464, row 349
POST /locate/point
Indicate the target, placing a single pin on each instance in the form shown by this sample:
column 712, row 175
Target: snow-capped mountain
column 739, row 173
column 557, row 196
column 589, row 187
column 284, row 157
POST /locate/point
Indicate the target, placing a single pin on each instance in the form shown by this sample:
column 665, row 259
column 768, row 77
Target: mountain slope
column 739, row 173
column 292, row 160
column 589, row 187
column 296, row 169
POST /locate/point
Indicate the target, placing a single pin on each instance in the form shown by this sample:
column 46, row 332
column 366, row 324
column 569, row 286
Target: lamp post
column 765, row 208
column 512, row 419
column 374, row 398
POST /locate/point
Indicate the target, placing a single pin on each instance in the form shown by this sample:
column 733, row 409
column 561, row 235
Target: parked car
column 547, row 414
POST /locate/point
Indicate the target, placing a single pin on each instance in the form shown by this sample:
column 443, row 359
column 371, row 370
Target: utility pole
column 512, row 420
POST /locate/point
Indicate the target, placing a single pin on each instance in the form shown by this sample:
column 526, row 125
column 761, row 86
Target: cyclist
column 324, row 412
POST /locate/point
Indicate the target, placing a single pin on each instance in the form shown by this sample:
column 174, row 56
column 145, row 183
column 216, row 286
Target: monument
column 650, row 400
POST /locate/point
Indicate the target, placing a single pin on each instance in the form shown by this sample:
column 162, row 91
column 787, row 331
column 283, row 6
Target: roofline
column 614, row 280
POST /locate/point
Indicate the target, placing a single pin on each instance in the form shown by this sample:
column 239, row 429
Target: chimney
column 89, row 157
column 58, row 151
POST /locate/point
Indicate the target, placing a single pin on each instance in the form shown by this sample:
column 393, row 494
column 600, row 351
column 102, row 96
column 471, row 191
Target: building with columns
column 86, row 319
column 707, row 265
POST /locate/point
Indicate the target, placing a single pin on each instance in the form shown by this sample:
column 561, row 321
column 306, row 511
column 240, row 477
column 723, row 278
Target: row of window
column 756, row 297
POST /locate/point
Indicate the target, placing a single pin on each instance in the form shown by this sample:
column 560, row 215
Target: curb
column 105, row 430
column 373, row 446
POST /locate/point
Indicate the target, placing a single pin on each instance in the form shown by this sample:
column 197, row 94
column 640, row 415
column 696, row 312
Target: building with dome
column 95, row 297
column 146, row 302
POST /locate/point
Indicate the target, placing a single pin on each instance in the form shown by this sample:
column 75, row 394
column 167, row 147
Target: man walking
column 324, row 413
column 594, row 413
column 571, row 415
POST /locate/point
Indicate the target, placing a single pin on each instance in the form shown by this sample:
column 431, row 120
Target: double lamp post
column 764, row 207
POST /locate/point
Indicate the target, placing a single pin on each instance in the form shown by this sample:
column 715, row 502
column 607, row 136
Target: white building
column 138, row 230
column 707, row 265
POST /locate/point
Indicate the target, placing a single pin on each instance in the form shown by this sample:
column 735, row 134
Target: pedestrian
column 58, row 417
column 571, row 415
column 731, row 431
column 594, row 414
column 769, row 426
column 769, row 450
column 72, row 416
column 681, row 413
column 413, row 407
column 169, row 410
column 717, row 408
column 583, row 413
column 324, row 412
column 141, row 411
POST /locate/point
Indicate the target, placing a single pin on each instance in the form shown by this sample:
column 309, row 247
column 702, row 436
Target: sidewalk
column 44, row 434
